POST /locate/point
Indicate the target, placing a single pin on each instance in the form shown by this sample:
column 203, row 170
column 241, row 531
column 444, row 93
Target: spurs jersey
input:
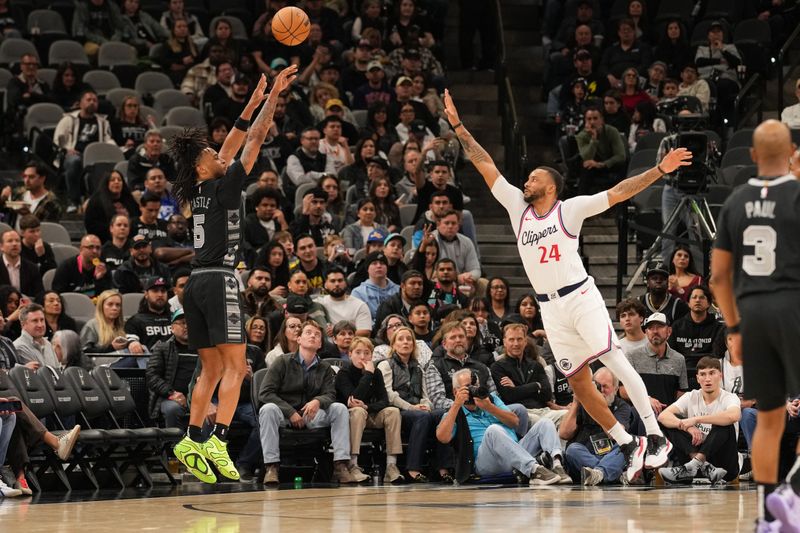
column 548, row 244
column 217, row 217
column 759, row 225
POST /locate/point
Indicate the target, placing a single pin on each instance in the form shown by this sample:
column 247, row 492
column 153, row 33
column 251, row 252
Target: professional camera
column 477, row 391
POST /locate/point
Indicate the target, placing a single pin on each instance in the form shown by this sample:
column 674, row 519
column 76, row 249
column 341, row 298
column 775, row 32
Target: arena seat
column 184, row 116
column 743, row 137
column 736, row 156
column 65, row 50
column 166, row 99
column 112, row 54
column 101, row 81
column 62, row 252
column 53, row 232
column 12, row 50
column 78, row 306
column 47, row 279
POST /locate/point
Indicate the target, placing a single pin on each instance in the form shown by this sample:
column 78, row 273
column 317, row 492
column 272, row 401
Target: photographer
column 485, row 442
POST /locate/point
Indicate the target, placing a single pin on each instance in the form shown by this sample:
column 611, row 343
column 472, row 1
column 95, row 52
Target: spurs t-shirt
column 88, row 132
column 692, row 404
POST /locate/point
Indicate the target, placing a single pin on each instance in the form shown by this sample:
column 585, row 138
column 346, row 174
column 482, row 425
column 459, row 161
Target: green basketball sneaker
column 190, row 453
column 216, row 451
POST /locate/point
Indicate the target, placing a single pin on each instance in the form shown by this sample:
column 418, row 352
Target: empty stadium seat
column 130, row 303
column 736, row 156
column 149, row 83
column 187, row 117
column 66, row 50
column 53, row 232
column 166, row 99
column 62, row 252
column 47, row 279
column 44, row 116
column 101, row 81
column 78, row 306
column 407, row 213
column 45, row 21
column 743, row 137
column 112, row 54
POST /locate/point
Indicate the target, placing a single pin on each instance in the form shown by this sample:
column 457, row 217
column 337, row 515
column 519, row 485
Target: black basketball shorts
column 213, row 309
column 770, row 327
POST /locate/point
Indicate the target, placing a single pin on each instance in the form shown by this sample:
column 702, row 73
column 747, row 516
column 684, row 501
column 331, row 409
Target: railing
column 752, row 91
column 514, row 142
column 790, row 42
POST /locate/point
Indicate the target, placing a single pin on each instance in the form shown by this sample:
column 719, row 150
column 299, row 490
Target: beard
column 337, row 293
column 532, row 197
column 261, row 292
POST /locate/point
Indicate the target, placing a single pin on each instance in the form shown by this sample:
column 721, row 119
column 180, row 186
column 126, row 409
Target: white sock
column 353, row 460
column 391, row 459
column 556, row 461
column 617, row 363
column 694, row 465
column 618, row 433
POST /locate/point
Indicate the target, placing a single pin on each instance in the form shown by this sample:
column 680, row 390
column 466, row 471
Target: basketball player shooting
column 576, row 321
column 211, row 184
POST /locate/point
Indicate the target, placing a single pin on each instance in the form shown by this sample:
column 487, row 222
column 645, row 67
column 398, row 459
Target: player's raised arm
column 479, row 157
column 258, row 130
column 237, row 136
column 628, row 188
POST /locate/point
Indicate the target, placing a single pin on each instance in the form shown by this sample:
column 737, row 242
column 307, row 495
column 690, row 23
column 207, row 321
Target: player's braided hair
column 185, row 149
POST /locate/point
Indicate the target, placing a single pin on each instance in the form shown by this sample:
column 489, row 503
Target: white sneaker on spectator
column 8, row 492
column 711, row 472
column 591, row 476
column 66, row 442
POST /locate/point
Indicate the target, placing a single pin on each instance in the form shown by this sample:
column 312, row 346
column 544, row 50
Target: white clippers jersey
column 548, row 245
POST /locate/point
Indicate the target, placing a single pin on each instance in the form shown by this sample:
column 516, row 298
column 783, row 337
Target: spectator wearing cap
column 375, row 89
column 627, row 52
column 307, row 164
column 260, row 227
column 422, row 58
column 378, row 287
column 233, row 106
column 355, row 235
column 341, row 306
column 150, row 155
column 85, row 273
column 314, row 220
column 331, row 73
column 137, row 271
column 403, row 89
column 791, row 114
column 34, row 249
column 581, row 38
column 657, row 299
column 310, row 264
column 355, row 74
column 585, row 67
column 663, row 369
column 169, row 372
column 583, row 16
column 333, row 145
column 152, row 323
column 17, row 271
column 393, row 246
column 336, row 108
column 374, row 244
column 719, row 61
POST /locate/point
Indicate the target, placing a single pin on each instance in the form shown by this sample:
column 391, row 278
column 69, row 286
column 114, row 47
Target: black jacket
column 365, row 386
column 128, row 277
column 531, row 386
column 463, row 446
column 447, row 366
column 162, row 367
column 255, row 234
column 393, row 305
column 288, row 388
column 30, row 280
column 46, row 262
column 69, row 279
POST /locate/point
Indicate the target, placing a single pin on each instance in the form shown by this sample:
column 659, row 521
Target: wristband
column 658, row 166
column 457, row 126
column 241, row 124
column 734, row 329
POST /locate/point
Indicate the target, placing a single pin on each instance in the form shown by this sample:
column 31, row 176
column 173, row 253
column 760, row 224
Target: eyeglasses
column 498, row 288
column 311, row 138
column 91, row 246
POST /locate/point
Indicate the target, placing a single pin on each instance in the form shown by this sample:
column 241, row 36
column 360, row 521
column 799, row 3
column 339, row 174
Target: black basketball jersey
column 759, row 225
column 216, row 218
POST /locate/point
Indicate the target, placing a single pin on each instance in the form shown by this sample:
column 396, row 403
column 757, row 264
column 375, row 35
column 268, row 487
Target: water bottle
column 298, row 482
column 376, row 475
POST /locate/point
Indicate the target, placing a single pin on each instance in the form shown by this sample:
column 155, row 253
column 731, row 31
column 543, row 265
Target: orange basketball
column 291, row 26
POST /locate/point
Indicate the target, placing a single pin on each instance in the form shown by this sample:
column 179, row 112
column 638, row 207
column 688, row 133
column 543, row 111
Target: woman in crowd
column 683, row 273
column 128, row 127
column 387, row 212
column 644, row 121
column 338, row 254
column 177, row 12
column 273, row 256
column 528, row 308
column 342, row 333
column 11, row 301
column 112, row 197
column 426, row 256
column 498, row 300
column 673, row 48
column 355, row 234
column 637, row 12
column 139, row 29
column 632, row 92
column 223, row 36
column 356, row 174
column 67, row 87
column 379, row 129
column 406, row 16
column 286, row 340
column 105, row 333
column 180, row 52
column 67, row 345
column 385, row 332
column 336, row 206
column 489, row 331
column 55, row 317
column 370, row 17
column 218, row 130
column 258, row 335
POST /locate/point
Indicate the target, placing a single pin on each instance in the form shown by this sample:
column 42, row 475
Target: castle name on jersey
column 533, row 237
column 201, row 202
column 760, row 209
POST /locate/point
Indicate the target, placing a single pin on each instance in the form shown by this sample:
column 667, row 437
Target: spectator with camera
column 485, row 441
column 602, row 151
column 591, row 455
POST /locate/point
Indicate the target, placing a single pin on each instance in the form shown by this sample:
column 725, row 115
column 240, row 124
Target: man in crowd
column 203, row 75
column 702, row 427
column 176, row 248
column 153, row 321
column 260, row 227
column 17, row 271
column 222, row 88
column 602, row 151
column 313, row 221
column 307, row 164
column 150, row 156
column 259, row 283
column 445, row 291
column 657, row 299
column 439, row 205
column 26, row 89
column 134, row 273
column 625, row 53
column 299, row 390
column 32, row 345
column 155, row 183
column 719, row 61
column 591, row 455
column 378, row 286
column 343, row 307
column 84, row 273
column 38, row 200
column 698, row 333
column 34, row 249
column 310, row 264
column 693, row 85
column 411, row 289
column 631, row 314
column 232, row 105
column 179, row 281
column 333, row 144
column 453, row 245
column 148, row 223
column 375, row 90
column 74, row 132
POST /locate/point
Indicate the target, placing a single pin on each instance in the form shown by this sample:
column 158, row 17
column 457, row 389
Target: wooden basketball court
column 231, row 508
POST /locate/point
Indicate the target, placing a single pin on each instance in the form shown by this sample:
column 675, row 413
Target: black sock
column 764, row 490
column 221, row 431
column 793, row 478
column 195, row 433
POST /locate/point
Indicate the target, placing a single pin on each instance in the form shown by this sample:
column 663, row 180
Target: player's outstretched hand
column 258, row 95
column 679, row 157
column 450, row 110
column 284, row 79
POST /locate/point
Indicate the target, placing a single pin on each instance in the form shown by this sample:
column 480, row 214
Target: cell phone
column 121, row 339
column 11, row 405
column 402, row 197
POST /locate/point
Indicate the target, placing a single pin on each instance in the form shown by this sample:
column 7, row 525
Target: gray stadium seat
column 62, row 252
column 360, row 116
column 239, row 30
column 643, row 158
column 152, row 82
column 130, row 303
column 98, row 152
column 301, row 191
column 101, row 81
column 112, row 54
column 650, row 141
column 67, row 50
column 122, row 168
column 47, row 21
column 48, row 75
column 116, row 96
column 53, row 232
column 407, row 233
column 166, row 99
column 407, row 213
column 752, row 31
column 5, row 77
column 744, row 174
column 78, row 306
column 47, row 279
column 743, row 137
column 185, row 116
column 12, row 49
column 4, row 228
column 736, row 156
column 43, row 116
column 168, row 131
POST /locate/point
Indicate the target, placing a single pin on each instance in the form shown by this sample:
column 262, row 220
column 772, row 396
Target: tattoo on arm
column 630, row 187
column 258, row 132
column 474, row 151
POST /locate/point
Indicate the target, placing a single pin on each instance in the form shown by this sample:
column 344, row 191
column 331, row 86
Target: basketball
column 290, row 26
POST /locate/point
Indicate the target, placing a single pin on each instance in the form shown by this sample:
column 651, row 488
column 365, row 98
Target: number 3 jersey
column 760, row 225
column 217, row 216
column 548, row 244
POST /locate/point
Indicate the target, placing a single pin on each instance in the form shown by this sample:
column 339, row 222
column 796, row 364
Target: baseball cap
column 240, row 78
column 376, row 235
column 296, row 304
column 331, row 66
column 393, row 236
column 656, row 267
column 583, row 54
column 364, row 43
column 333, row 102
column 140, row 241
column 374, row 64
column 411, row 53
column 155, row 282
column 716, row 24
column 658, row 63
column 655, row 318
column 178, row 314
column 403, row 79
column 376, row 256
column 278, row 62
column 378, row 160
column 318, row 193
column 417, row 126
